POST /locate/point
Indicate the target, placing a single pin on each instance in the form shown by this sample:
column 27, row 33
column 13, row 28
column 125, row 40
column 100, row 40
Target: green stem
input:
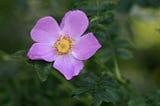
column 97, row 5
column 97, row 14
column 102, row 65
column 117, row 71
column 116, row 67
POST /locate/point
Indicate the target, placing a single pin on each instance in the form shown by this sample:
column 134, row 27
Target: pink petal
column 74, row 23
column 68, row 66
column 46, row 30
column 85, row 47
column 42, row 51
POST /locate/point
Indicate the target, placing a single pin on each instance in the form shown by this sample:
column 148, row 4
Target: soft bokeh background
column 20, row 85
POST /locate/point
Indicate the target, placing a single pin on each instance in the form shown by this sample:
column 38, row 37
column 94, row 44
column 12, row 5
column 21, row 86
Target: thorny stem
column 117, row 71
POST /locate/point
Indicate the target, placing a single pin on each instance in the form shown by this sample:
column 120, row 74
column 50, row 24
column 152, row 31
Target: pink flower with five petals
column 63, row 44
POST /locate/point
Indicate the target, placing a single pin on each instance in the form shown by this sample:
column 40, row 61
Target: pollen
column 63, row 45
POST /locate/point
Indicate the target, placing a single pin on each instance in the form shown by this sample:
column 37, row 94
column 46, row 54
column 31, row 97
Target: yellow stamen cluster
column 63, row 45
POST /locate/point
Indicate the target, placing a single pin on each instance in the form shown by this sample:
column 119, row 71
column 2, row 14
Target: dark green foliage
column 105, row 28
column 152, row 99
column 102, row 88
column 42, row 68
column 137, row 102
column 99, row 84
column 125, row 5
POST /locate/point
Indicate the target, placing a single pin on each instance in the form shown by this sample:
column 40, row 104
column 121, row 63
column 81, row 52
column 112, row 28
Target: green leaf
column 121, row 43
column 80, row 92
column 43, row 72
column 42, row 68
column 17, row 56
column 153, row 99
column 20, row 55
column 94, row 19
column 109, row 82
column 124, row 53
column 88, row 79
column 105, row 55
column 108, row 96
column 137, row 102
column 97, row 101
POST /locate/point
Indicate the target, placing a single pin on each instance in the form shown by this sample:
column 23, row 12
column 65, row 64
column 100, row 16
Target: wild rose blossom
column 63, row 44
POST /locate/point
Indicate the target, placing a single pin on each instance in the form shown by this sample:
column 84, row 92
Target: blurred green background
column 20, row 85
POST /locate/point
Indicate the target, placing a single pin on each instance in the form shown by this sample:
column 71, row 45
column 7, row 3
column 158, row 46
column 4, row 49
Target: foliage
column 99, row 84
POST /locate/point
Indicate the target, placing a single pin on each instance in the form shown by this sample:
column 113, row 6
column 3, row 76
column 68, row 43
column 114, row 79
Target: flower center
column 63, row 45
